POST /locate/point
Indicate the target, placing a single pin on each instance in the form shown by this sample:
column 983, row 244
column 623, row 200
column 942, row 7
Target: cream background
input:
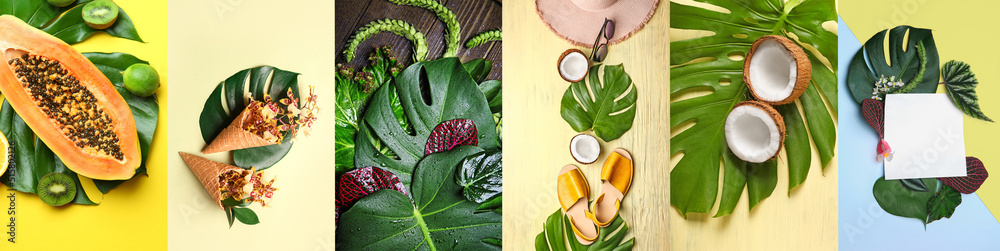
column 211, row 40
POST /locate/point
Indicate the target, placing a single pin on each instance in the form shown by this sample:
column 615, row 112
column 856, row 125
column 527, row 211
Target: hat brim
column 580, row 27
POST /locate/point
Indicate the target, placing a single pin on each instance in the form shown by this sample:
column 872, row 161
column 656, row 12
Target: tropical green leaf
column 695, row 178
column 914, row 61
column 71, row 28
column 733, row 183
column 437, row 218
column 494, row 94
column 761, row 180
column 245, row 215
column 478, row 68
column 916, row 185
column 796, row 144
column 430, row 92
column 900, row 201
column 481, row 176
column 557, row 235
column 214, row 117
column 353, row 91
column 34, row 12
column 145, row 110
column 611, row 110
column 943, row 204
column 960, row 83
column 495, row 204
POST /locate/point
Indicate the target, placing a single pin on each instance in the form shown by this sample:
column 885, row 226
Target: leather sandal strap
column 578, row 233
column 593, row 211
column 617, row 170
column 571, row 187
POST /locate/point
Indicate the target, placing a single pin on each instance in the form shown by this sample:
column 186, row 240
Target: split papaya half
column 68, row 103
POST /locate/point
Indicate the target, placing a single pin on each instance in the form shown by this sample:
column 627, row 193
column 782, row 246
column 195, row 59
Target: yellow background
column 961, row 32
column 132, row 216
column 805, row 218
column 536, row 141
column 212, row 40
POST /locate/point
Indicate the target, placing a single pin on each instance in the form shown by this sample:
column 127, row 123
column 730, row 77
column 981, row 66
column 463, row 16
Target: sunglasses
column 600, row 51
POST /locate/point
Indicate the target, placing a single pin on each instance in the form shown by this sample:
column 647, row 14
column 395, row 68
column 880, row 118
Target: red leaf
column 977, row 175
column 358, row 183
column 450, row 134
column 874, row 113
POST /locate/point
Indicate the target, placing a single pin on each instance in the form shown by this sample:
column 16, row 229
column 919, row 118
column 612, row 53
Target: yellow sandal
column 616, row 178
column 573, row 195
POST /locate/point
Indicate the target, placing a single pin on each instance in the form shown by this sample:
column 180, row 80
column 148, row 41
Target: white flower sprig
column 884, row 85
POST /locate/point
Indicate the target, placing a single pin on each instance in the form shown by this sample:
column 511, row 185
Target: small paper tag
column 926, row 134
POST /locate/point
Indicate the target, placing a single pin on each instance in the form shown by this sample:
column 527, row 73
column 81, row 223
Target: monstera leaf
column 916, row 66
column 430, row 92
column 439, row 218
column 557, row 232
column 214, row 117
column 609, row 116
column 695, row 178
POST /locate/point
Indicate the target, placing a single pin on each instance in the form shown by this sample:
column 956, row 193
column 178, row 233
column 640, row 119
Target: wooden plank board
column 473, row 17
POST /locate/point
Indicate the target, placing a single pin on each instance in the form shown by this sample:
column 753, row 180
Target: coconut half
column 776, row 70
column 584, row 148
column 754, row 131
column 573, row 65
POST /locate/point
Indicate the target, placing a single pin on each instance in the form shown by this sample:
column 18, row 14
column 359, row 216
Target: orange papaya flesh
column 68, row 103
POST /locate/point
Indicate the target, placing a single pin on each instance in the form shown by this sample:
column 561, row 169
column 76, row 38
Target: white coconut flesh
column 752, row 134
column 772, row 71
column 585, row 148
column 573, row 66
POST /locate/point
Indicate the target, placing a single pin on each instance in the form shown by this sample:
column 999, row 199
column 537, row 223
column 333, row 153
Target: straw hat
column 579, row 21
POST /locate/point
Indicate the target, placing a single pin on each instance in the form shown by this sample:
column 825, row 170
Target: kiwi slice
column 57, row 189
column 100, row 14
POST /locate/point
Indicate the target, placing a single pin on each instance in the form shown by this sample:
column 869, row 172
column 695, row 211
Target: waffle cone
column 208, row 172
column 235, row 138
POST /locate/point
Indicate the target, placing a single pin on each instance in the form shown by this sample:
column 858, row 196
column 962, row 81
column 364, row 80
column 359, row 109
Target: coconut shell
column 559, row 63
column 778, row 120
column 599, row 149
column 802, row 64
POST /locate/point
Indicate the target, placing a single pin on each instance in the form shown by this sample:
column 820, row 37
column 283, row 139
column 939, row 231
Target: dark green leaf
column 145, row 110
column 495, row 204
column 229, row 216
column 960, row 83
column 440, row 217
column 557, row 232
column 821, row 126
column 943, row 204
column 71, row 28
column 900, row 201
column 761, row 180
column 481, row 176
column 478, row 68
column 450, row 94
column 214, row 117
column 694, row 179
column 796, row 145
column 916, row 67
column 733, row 183
column 494, row 242
column 916, row 185
column 245, row 215
column 48, row 162
column 609, row 116
column 230, row 202
column 34, row 12
column 23, row 139
column 494, row 95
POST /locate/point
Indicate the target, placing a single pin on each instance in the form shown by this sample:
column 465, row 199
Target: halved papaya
column 68, row 103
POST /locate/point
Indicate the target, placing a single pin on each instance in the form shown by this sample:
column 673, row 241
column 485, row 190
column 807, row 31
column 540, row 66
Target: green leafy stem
column 922, row 55
column 484, row 37
column 453, row 30
column 237, row 210
column 397, row 27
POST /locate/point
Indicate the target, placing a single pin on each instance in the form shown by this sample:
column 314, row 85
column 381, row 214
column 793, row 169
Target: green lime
column 141, row 80
column 61, row 3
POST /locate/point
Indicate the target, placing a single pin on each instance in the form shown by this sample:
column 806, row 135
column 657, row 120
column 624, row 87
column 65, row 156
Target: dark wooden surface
column 474, row 16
